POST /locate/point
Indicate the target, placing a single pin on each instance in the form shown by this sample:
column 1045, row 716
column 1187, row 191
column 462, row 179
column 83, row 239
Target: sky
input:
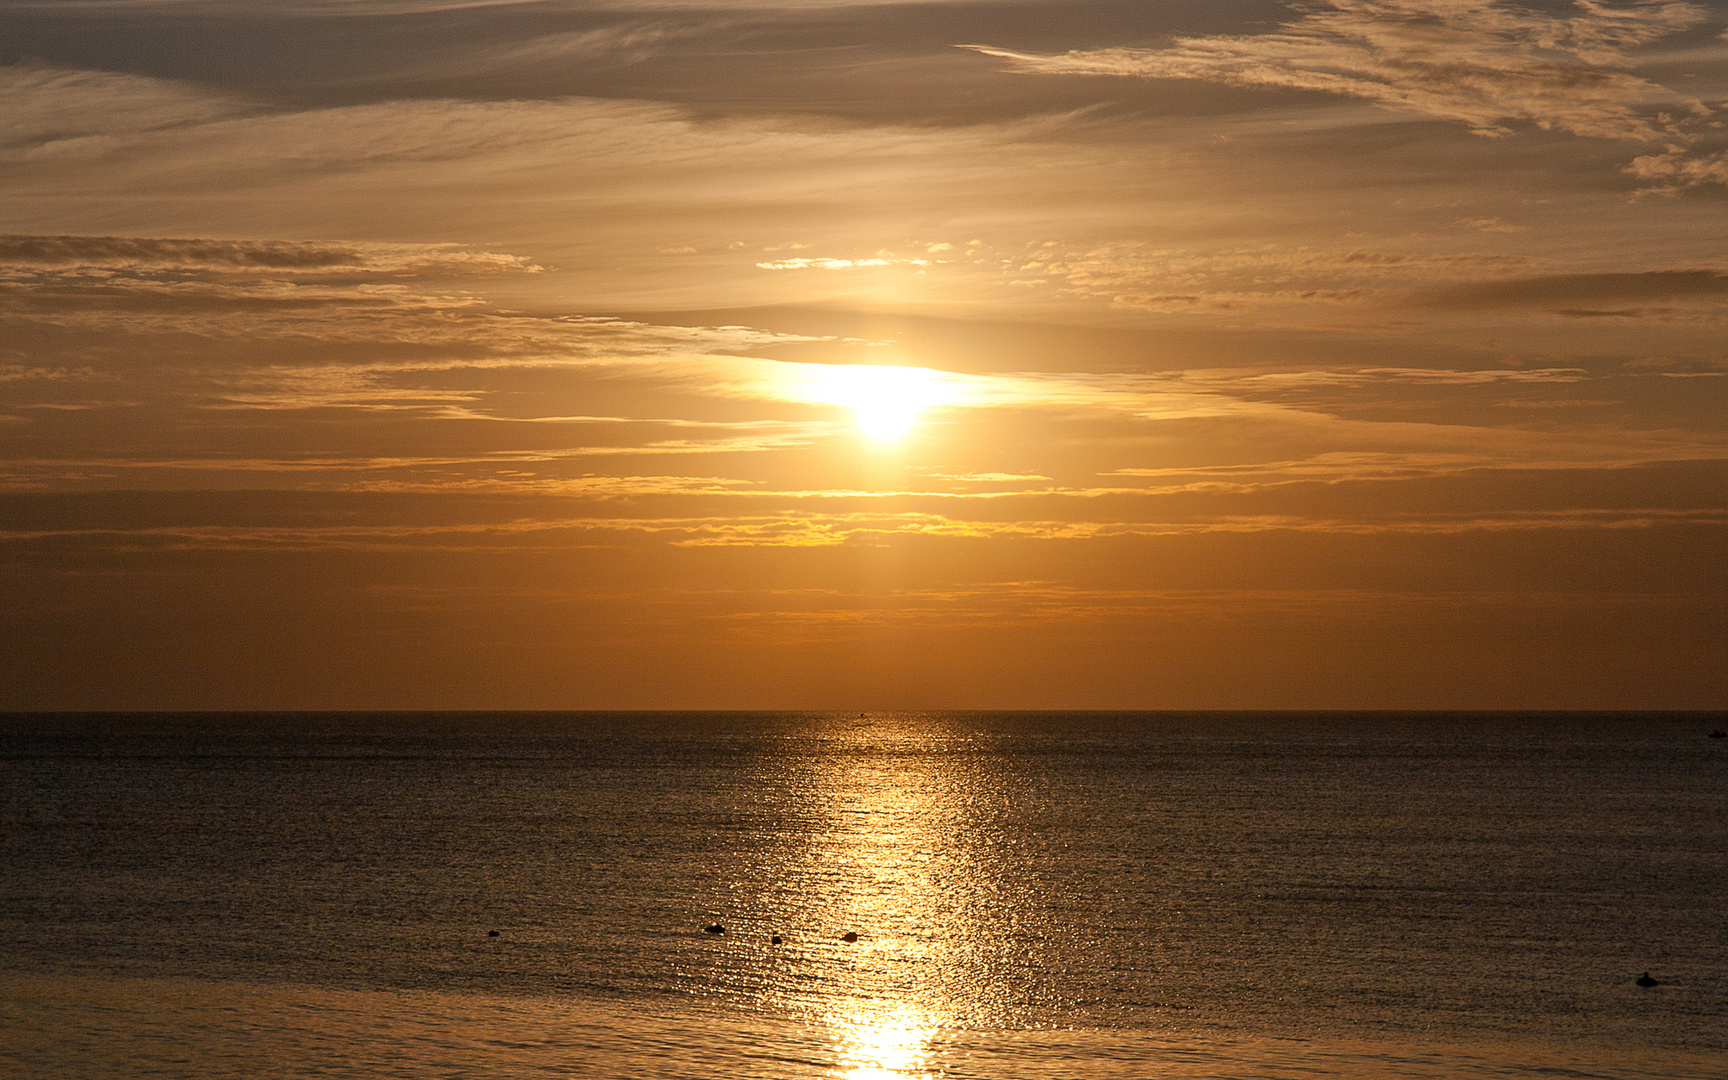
column 689, row 354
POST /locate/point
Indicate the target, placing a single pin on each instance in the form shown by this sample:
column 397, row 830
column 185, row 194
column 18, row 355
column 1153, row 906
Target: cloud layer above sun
column 645, row 354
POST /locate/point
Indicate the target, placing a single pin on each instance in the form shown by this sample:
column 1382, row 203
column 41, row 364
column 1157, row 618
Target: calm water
column 1043, row 895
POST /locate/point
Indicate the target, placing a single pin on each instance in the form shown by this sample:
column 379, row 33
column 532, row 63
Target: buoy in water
column 1646, row 980
column 715, row 928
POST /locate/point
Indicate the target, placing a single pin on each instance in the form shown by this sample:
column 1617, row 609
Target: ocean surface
column 1034, row 895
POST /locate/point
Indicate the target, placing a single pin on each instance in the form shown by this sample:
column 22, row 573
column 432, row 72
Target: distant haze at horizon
column 421, row 354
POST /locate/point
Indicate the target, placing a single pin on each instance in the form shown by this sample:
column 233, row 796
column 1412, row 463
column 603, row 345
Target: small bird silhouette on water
column 1646, row 980
column 716, row 928
column 775, row 940
column 849, row 936
column 491, row 933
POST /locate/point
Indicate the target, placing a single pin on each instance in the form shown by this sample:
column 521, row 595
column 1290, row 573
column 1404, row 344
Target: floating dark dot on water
column 1646, row 980
column 491, row 933
column 1719, row 734
column 849, row 936
column 715, row 928
column 775, row 940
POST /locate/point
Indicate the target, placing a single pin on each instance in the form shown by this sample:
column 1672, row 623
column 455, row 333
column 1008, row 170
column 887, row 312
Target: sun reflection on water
column 890, row 880
column 886, row 1045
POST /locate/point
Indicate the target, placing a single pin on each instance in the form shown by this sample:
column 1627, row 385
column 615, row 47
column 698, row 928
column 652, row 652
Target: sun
column 885, row 401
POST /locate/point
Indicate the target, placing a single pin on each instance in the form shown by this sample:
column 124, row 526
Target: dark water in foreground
column 1044, row 895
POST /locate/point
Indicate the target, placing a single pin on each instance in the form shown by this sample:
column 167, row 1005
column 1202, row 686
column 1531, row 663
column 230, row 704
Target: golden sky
column 810, row 354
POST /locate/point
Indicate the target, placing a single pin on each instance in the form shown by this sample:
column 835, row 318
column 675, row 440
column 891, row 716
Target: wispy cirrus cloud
column 839, row 264
column 1132, row 275
column 259, row 327
column 810, row 527
column 1486, row 66
column 1382, row 376
column 56, row 117
column 1579, row 292
column 24, row 254
column 362, row 332
column 1369, row 465
column 191, row 343
column 1176, row 281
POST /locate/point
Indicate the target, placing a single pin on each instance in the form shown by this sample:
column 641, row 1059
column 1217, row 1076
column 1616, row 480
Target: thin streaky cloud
column 256, row 257
column 1702, row 285
column 1486, row 66
column 1374, row 376
column 816, row 530
column 351, row 8
column 1340, row 466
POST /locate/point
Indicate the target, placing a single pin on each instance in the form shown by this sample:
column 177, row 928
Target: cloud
column 1486, row 66
column 272, row 257
column 55, row 115
column 1568, row 291
column 809, row 527
column 1363, row 465
column 1243, row 380
column 395, row 347
column 838, row 264
column 989, row 478
column 1225, row 300
column 198, row 362
column 591, row 186
column 356, row 8
column 1675, row 169
column 1175, row 280
column 1492, row 224
column 318, row 294
column 261, row 325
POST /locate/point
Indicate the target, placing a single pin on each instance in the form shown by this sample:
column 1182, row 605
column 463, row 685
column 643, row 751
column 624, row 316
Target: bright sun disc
column 885, row 401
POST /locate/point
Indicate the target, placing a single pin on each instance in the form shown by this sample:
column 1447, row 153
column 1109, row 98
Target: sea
column 872, row 896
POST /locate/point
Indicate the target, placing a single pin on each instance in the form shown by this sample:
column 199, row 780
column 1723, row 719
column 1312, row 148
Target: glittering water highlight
column 1040, row 895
